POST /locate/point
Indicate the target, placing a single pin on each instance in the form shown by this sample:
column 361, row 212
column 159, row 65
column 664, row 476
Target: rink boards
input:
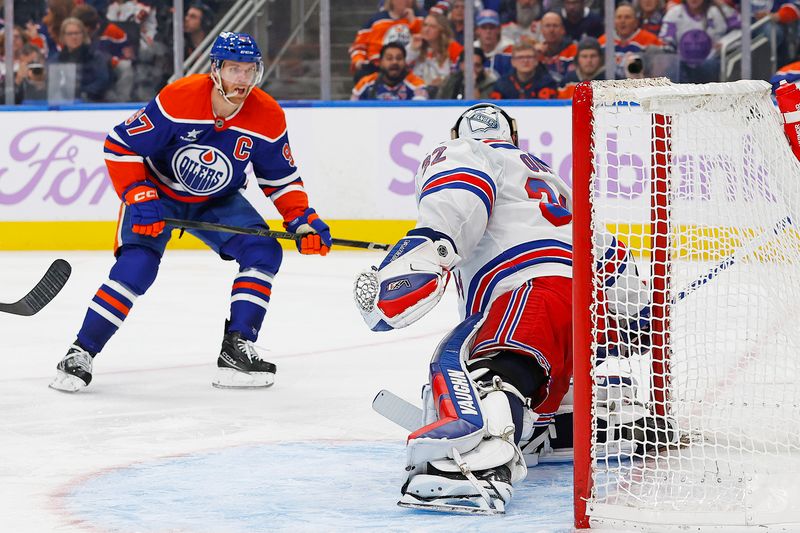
column 357, row 161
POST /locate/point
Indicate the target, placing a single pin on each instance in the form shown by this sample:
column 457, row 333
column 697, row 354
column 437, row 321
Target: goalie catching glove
column 408, row 283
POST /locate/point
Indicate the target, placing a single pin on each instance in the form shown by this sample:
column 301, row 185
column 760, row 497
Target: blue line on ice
column 297, row 486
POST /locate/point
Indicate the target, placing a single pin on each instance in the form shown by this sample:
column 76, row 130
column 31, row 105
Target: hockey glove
column 316, row 234
column 147, row 214
column 409, row 282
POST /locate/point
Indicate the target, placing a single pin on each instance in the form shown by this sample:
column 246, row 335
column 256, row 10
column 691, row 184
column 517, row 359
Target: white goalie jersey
column 508, row 214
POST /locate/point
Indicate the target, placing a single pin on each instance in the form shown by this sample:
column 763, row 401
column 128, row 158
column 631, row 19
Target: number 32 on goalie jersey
column 553, row 206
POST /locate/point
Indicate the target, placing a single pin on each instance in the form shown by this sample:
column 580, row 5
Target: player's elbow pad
column 409, row 282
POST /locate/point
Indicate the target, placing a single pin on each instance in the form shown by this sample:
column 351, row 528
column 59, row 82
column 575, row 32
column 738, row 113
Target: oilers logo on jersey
column 202, row 170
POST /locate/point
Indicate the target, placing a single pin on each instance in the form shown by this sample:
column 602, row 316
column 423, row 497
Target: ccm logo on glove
column 147, row 216
column 136, row 196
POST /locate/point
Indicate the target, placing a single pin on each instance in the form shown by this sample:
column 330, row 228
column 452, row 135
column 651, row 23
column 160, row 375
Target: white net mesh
column 718, row 257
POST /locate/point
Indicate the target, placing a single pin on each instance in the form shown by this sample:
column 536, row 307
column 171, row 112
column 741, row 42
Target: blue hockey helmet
column 239, row 47
column 233, row 46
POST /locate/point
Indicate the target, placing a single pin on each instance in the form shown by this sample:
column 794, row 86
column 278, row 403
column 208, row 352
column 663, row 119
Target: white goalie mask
column 485, row 121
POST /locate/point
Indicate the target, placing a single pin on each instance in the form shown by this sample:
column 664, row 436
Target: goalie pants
column 139, row 256
column 534, row 320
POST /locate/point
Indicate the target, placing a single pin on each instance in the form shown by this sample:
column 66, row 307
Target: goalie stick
column 44, row 291
column 397, row 410
column 210, row 226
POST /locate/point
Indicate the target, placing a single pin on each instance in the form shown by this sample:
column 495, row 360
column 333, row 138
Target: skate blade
column 464, row 505
column 228, row 378
column 64, row 382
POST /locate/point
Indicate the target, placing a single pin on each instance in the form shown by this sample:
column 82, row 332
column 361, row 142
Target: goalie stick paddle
column 397, row 410
column 210, row 226
column 48, row 287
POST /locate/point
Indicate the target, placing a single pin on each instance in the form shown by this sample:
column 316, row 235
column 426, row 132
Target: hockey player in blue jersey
column 184, row 156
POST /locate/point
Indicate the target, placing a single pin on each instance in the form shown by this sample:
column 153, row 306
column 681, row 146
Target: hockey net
column 699, row 183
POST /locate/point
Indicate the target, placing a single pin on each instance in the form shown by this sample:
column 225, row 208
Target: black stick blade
column 43, row 293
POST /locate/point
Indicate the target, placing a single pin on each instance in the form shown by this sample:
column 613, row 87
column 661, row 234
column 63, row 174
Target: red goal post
column 698, row 182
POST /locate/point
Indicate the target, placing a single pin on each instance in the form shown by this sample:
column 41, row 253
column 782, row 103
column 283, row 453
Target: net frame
column 661, row 98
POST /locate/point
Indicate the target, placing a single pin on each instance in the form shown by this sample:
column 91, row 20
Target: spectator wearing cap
column 496, row 49
column 393, row 81
column 631, row 41
column 528, row 80
column 557, row 50
column 579, row 22
column 588, row 66
column 453, row 86
column 395, row 23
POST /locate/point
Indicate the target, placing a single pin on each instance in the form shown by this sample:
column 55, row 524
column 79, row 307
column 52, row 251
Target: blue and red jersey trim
column 511, row 261
column 469, row 179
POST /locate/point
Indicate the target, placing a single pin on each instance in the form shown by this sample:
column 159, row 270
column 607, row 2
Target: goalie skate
column 485, row 492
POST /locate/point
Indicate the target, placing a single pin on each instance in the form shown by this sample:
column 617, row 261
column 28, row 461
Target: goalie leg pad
column 466, row 459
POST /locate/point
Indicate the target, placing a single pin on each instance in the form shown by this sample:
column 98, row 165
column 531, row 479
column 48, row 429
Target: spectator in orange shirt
column 396, row 23
column 631, row 41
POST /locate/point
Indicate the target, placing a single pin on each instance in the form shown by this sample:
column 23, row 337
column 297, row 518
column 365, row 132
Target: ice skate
column 74, row 372
column 485, row 492
column 240, row 367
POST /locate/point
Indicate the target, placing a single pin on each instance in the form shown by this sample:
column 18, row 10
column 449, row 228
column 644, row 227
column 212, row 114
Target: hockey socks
column 130, row 277
column 250, row 297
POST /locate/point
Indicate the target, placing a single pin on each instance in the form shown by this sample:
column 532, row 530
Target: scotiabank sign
column 356, row 162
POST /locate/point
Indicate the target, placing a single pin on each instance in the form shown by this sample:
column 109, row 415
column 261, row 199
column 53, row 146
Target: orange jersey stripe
column 117, row 148
column 252, row 286
column 113, row 302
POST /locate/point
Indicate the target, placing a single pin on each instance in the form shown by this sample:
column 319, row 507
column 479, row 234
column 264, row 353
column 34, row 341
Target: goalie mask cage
column 699, row 183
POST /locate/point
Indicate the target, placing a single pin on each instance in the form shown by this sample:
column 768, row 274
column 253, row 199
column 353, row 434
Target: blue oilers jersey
column 175, row 143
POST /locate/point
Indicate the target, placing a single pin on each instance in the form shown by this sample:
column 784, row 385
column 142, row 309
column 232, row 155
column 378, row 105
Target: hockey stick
column 44, row 291
column 395, row 409
column 762, row 239
column 210, row 226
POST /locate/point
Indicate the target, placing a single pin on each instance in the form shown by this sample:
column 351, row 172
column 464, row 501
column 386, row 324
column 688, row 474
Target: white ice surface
column 151, row 446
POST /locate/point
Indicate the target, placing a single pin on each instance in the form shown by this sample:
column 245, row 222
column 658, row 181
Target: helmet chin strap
column 215, row 75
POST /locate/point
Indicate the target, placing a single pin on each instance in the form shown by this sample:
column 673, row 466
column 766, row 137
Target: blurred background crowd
column 67, row 51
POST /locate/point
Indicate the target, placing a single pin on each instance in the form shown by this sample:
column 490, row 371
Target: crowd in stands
column 540, row 49
column 97, row 50
column 121, row 50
